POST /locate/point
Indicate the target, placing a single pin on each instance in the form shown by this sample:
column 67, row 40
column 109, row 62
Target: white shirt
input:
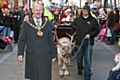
column 86, row 17
column 37, row 20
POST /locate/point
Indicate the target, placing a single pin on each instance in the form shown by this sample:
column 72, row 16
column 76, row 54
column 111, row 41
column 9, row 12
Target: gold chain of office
column 39, row 32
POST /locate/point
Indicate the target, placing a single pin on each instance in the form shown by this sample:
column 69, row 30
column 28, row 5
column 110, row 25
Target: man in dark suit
column 40, row 46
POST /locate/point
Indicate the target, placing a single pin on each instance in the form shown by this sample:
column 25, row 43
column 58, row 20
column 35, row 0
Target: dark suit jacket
column 39, row 51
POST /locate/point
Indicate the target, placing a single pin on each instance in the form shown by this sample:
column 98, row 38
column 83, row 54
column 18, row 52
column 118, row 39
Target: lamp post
column 111, row 3
column 115, row 3
column 105, row 3
column 80, row 3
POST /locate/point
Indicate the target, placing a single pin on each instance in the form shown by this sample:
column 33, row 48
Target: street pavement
column 102, row 62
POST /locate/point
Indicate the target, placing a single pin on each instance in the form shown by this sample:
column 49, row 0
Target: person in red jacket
column 66, row 15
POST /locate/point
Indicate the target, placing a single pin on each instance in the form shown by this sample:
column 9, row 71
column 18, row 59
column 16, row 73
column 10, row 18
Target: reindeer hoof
column 67, row 73
column 69, row 64
column 63, row 68
column 61, row 73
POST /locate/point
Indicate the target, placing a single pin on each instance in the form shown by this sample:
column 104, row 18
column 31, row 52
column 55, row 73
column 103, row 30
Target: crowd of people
column 108, row 19
column 12, row 21
column 109, row 22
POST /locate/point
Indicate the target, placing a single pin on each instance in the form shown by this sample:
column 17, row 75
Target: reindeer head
column 64, row 48
column 64, row 45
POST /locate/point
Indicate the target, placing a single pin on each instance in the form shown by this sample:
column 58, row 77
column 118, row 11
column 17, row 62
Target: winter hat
column 55, row 10
column 86, row 7
column 67, row 10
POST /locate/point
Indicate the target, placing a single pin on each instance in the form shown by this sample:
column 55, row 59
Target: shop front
column 8, row 3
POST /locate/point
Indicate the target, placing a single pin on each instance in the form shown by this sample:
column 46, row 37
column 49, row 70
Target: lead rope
column 91, row 73
column 79, row 48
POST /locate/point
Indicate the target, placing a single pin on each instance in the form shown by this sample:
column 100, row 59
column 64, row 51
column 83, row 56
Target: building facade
column 79, row 3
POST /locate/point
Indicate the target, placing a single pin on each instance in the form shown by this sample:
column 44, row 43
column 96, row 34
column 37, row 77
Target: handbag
column 117, row 29
column 108, row 33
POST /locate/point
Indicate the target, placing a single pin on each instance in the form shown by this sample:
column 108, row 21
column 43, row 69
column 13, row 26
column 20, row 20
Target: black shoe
column 80, row 72
column 15, row 42
column 11, row 38
column 108, row 43
column 87, row 79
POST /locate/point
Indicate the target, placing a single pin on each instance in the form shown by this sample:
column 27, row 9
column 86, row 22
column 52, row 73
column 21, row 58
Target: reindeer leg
column 67, row 73
column 64, row 66
column 59, row 61
column 61, row 72
column 69, row 63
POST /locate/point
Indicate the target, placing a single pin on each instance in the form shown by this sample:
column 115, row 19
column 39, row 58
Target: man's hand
column 53, row 59
column 87, row 36
column 20, row 58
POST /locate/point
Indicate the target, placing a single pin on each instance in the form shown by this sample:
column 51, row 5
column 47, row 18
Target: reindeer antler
column 55, row 32
column 56, row 36
column 72, row 36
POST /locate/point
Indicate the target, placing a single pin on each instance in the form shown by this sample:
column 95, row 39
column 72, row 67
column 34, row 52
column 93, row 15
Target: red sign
column 5, row 5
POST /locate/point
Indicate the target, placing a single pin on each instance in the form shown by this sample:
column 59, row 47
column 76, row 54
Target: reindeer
column 64, row 49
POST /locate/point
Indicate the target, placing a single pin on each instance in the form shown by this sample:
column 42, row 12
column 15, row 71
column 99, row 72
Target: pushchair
column 5, row 42
column 102, row 35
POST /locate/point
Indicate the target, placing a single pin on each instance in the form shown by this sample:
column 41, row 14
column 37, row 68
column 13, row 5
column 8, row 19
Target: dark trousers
column 16, row 33
column 83, row 54
column 112, row 39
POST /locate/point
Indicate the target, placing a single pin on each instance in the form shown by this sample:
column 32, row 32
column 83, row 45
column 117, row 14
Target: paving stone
column 102, row 62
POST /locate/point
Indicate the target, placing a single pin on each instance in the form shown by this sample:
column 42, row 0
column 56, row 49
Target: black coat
column 7, row 19
column 111, row 19
column 85, row 26
column 16, row 19
column 39, row 51
column 21, row 18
